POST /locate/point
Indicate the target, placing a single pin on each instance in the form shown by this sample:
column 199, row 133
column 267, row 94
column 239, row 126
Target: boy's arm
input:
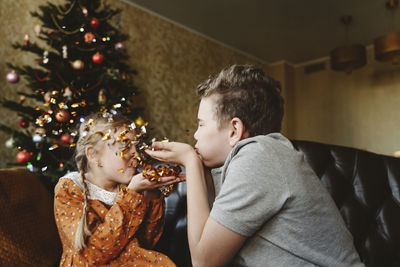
column 211, row 244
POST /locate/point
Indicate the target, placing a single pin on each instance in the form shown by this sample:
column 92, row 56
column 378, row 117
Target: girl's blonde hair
column 91, row 132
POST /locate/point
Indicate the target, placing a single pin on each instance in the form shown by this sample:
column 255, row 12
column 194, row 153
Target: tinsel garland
column 61, row 29
column 64, row 13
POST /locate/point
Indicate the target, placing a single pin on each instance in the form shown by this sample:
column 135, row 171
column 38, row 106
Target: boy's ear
column 237, row 131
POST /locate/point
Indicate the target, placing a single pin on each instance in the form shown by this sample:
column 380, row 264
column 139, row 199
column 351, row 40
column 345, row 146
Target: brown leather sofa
column 364, row 185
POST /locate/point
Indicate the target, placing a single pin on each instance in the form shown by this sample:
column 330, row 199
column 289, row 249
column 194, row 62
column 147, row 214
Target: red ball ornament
column 62, row 116
column 97, row 58
column 23, row 156
column 94, row 22
column 24, row 123
column 65, row 138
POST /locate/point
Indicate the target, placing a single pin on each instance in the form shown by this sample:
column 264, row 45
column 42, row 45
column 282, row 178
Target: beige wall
column 170, row 59
column 359, row 110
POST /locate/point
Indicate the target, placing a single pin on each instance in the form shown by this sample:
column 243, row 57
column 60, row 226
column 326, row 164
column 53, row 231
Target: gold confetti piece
column 75, row 105
column 53, row 101
column 72, row 145
column 55, row 146
column 121, row 170
column 139, row 122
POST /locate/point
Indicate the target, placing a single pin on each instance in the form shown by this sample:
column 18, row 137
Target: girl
column 100, row 221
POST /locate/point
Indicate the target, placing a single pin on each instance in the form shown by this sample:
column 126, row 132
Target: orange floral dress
column 124, row 226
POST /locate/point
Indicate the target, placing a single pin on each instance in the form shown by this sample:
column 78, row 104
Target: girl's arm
column 153, row 224
column 111, row 235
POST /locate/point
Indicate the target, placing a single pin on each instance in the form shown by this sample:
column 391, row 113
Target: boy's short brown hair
column 247, row 93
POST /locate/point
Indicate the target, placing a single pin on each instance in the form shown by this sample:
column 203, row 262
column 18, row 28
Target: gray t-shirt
column 268, row 193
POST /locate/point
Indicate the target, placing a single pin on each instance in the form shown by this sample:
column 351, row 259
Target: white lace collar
column 95, row 192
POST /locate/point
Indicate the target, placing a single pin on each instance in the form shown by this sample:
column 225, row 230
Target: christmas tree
column 81, row 69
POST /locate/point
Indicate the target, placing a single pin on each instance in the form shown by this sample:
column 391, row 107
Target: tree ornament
column 62, row 116
column 26, row 39
column 37, row 138
column 40, row 131
column 47, row 97
column 94, row 22
column 84, row 11
column 10, row 143
column 97, row 58
column 38, row 30
column 64, row 51
column 67, row 93
column 119, row 46
column 12, row 77
column 65, row 138
column 78, row 64
column 89, row 37
column 45, row 57
column 102, row 97
column 23, row 156
column 23, row 123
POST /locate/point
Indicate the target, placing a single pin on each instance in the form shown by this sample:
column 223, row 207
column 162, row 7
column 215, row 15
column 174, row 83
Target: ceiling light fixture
column 348, row 57
column 387, row 47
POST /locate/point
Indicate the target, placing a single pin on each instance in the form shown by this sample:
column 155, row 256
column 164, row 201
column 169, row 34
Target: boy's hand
column 173, row 152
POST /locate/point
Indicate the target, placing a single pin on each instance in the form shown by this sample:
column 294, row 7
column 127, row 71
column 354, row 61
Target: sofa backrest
column 365, row 187
column 28, row 233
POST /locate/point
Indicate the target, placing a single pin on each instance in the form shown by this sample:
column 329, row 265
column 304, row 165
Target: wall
column 170, row 59
column 15, row 23
column 358, row 110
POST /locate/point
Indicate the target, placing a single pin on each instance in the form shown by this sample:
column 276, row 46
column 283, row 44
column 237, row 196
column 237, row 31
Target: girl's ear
column 237, row 131
column 90, row 153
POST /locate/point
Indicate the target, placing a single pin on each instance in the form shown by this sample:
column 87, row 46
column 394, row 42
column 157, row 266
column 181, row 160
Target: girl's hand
column 155, row 193
column 172, row 152
column 140, row 184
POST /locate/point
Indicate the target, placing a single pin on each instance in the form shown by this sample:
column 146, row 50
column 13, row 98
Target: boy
column 270, row 208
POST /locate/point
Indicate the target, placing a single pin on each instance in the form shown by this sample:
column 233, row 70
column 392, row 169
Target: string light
column 29, row 166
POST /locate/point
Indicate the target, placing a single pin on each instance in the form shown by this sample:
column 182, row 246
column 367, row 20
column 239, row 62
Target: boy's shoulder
column 271, row 144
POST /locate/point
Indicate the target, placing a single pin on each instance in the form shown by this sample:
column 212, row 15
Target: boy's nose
column 195, row 135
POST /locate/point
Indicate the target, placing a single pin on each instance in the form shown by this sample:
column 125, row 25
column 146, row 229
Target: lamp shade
column 387, row 47
column 349, row 57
